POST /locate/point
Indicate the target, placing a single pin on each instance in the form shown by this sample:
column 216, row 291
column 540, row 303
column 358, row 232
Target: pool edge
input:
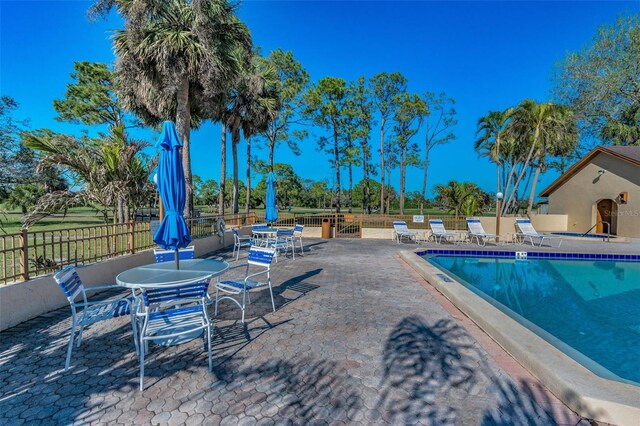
column 582, row 391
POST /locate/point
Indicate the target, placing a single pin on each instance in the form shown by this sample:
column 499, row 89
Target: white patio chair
column 439, row 232
column 91, row 312
column 259, row 238
column 173, row 312
column 476, row 230
column 297, row 233
column 260, row 257
column 240, row 241
column 401, row 231
column 527, row 231
column 283, row 242
column 163, row 255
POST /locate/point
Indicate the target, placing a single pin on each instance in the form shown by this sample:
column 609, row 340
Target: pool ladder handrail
column 596, row 224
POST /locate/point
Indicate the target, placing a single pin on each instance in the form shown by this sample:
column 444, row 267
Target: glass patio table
column 158, row 275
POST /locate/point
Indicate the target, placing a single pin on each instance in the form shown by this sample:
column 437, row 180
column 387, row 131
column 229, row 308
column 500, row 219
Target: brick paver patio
column 355, row 339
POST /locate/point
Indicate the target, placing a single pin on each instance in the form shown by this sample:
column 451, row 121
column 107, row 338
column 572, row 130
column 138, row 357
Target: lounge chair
column 401, row 231
column 477, row 231
column 527, row 231
column 439, row 232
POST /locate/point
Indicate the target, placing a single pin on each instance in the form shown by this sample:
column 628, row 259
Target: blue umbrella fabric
column 173, row 233
column 271, row 215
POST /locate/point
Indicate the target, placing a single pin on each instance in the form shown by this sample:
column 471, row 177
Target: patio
column 357, row 337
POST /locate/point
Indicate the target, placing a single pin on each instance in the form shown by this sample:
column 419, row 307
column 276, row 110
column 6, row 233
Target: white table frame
column 191, row 270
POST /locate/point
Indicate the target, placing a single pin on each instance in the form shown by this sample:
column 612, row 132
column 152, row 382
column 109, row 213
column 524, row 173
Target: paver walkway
column 354, row 339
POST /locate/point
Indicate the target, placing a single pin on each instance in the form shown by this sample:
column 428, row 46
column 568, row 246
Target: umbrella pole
column 177, row 259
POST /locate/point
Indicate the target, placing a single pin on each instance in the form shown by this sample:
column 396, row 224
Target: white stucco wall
column 23, row 301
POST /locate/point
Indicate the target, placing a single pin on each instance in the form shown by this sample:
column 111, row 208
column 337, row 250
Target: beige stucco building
column 602, row 187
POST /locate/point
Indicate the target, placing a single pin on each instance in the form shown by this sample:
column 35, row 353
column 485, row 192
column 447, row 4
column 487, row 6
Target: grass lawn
column 11, row 222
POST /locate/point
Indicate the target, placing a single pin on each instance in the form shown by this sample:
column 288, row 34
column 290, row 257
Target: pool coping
column 587, row 394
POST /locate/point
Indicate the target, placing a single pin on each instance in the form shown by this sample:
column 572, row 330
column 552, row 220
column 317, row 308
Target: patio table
column 158, row 275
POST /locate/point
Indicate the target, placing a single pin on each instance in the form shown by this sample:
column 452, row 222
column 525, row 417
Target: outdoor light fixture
column 600, row 172
column 499, row 195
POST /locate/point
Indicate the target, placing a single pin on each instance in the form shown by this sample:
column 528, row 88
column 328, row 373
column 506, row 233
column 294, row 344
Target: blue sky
column 486, row 55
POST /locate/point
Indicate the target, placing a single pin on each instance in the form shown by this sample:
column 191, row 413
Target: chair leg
column 238, row 254
column 80, row 336
column 273, row 304
column 215, row 310
column 244, row 294
column 142, row 351
column 70, row 348
column 208, row 329
column 134, row 326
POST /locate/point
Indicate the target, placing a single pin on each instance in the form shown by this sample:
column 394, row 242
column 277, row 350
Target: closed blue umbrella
column 173, row 233
column 271, row 215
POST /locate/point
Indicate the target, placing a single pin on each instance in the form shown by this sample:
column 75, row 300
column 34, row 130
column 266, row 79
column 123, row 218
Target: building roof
column 630, row 154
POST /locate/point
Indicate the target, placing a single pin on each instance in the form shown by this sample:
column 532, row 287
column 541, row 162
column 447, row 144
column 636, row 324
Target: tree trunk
column 382, row 123
column 183, row 125
column 424, row 180
column 365, row 172
column 235, row 141
column 507, row 186
column 336, row 164
column 532, row 194
column 525, row 166
column 402, row 173
column 350, row 188
column 272, row 148
column 248, row 181
column 223, row 169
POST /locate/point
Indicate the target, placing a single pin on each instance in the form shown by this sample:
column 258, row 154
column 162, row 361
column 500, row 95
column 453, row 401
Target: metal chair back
column 162, row 255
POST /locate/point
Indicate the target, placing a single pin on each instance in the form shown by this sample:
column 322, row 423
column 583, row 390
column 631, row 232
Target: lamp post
column 160, row 206
column 499, row 196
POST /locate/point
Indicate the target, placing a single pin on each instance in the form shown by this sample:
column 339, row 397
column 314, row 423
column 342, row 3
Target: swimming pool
column 582, row 235
column 587, row 308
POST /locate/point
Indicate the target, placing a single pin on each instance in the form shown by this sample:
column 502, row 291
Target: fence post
column 132, row 227
column 24, row 255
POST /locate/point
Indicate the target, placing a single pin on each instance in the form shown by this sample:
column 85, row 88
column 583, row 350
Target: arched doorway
column 606, row 212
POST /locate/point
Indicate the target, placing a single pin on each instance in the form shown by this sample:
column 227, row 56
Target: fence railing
column 368, row 221
column 27, row 254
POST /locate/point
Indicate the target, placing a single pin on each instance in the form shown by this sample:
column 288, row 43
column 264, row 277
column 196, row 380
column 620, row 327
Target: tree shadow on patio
column 422, row 364
column 283, row 294
column 301, row 391
column 527, row 402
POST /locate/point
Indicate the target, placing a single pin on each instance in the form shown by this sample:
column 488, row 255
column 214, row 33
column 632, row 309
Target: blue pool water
column 582, row 235
column 591, row 306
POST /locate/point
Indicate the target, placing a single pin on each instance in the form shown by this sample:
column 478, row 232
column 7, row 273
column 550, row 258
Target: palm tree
column 251, row 103
column 113, row 173
column 491, row 131
column 544, row 128
column 464, row 198
column 174, row 60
